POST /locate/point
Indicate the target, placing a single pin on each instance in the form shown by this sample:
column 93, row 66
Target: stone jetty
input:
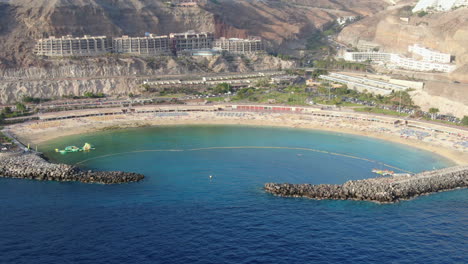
column 382, row 189
column 34, row 167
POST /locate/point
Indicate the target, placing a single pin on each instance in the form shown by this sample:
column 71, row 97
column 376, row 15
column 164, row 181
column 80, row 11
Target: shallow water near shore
column 179, row 215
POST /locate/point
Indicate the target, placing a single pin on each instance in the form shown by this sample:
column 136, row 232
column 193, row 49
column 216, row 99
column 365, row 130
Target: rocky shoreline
column 382, row 190
column 32, row 166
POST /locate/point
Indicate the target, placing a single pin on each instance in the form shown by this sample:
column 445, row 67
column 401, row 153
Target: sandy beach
column 450, row 146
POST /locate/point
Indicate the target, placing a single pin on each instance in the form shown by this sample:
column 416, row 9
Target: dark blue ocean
column 179, row 215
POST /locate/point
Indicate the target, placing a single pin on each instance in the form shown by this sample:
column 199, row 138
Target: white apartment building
column 417, row 65
column 434, row 60
column 367, row 56
column 191, row 40
column 429, row 55
column 73, row 46
column 439, row 5
column 149, row 45
column 236, row 45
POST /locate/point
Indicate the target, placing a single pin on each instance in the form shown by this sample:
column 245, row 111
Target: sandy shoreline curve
column 384, row 128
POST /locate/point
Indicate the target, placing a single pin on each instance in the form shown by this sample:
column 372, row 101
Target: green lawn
column 3, row 138
column 216, row 99
column 173, row 95
column 379, row 111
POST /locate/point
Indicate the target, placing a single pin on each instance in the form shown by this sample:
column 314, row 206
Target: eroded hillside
column 278, row 21
column 443, row 31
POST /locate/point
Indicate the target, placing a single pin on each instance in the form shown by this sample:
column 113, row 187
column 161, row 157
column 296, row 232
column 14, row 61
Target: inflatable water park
column 72, row 149
column 383, row 172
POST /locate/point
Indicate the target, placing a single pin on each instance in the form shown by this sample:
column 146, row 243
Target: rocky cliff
column 118, row 75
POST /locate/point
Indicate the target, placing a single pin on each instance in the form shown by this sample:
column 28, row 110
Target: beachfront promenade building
column 148, row 45
column 241, row 46
column 73, row 46
column 362, row 84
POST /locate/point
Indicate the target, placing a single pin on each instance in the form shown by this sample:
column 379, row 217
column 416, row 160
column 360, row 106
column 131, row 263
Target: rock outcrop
column 118, row 75
column 33, row 167
column 381, row 190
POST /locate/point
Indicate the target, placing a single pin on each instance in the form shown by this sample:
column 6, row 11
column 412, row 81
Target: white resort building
column 236, row 45
column 149, row 45
column 417, row 65
column 71, row 46
column 429, row 55
column 189, row 43
column 368, row 56
column 191, row 40
column 425, row 59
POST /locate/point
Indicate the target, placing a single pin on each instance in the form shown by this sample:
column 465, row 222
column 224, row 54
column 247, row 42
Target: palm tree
column 433, row 112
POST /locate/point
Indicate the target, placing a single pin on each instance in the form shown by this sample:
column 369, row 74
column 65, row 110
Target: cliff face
column 117, row 76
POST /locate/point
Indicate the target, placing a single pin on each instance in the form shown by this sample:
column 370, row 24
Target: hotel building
column 429, row 55
column 236, row 45
column 191, row 40
column 149, row 45
column 71, row 46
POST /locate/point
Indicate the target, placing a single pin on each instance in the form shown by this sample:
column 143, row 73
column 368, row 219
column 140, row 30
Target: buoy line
column 245, row 147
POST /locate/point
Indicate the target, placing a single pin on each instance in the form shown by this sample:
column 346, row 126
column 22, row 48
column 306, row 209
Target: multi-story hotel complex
column 189, row 43
column 70, row 46
column 417, row 65
column 424, row 59
column 368, row 56
column 429, row 55
column 149, row 45
column 191, row 40
column 236, row 45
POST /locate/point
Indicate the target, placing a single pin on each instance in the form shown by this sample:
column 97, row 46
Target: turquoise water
column 179, row 215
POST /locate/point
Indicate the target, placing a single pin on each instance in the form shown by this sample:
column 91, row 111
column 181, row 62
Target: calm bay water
column 179, row 215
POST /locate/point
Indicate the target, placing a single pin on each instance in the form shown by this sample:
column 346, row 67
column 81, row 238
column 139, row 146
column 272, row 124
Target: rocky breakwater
column 34, row 167
column 381, row 190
